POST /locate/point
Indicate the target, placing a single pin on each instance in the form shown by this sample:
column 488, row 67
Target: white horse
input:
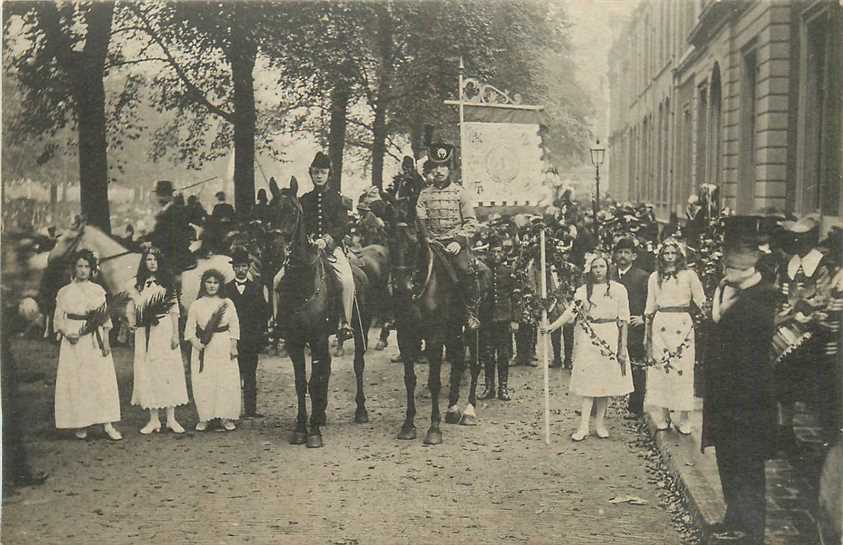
column 118, row 266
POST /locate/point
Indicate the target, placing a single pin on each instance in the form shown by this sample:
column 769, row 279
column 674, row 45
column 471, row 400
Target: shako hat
column 321, row 160
column 440, row 154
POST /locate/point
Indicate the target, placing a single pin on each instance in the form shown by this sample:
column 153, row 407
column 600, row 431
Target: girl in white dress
column 669, row 339
column 601, row 362
column 86, row 384
column 213, row 329
column 158, row 370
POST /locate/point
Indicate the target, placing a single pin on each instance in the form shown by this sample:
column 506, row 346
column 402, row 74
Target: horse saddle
column 438, row 251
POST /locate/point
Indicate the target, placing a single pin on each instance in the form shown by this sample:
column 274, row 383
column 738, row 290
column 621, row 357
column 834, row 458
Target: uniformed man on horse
column 326, row 223
column 446, row 213
column 172, row 233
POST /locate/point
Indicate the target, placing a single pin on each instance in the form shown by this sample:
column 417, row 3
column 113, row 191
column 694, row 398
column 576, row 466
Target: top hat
column 440, row 154
column 239, row 256
column 742, row 236
column 321, row 161
column 163, row 187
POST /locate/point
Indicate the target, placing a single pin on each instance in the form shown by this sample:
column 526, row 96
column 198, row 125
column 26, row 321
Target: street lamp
column 598, row 154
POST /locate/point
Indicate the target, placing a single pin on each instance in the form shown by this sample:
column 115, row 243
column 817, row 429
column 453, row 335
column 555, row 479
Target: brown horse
column 305, row 309
column 433, row 312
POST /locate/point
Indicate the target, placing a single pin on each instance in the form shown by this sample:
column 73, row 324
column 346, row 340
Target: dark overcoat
column 739, row 405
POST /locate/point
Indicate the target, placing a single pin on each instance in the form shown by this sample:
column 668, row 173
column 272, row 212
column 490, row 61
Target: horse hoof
column 298, row 438
column 453, row 417
column 407, row 433
column 468, row 420
column 314, row 440
column 380, row 346
column 361, row 416
column 433, row 437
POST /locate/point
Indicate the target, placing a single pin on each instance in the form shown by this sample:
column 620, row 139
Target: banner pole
column 544, row 341
column 462, row 114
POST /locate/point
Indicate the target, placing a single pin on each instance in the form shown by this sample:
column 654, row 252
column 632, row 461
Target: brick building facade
column 742, row 94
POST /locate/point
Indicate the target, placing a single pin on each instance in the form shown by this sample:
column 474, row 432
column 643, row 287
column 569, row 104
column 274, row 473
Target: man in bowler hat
column 635, row 281
column 253, row 312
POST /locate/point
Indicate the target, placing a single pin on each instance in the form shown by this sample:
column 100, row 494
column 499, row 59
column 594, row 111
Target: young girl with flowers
column 214, row 330
column 86, row 383
column 600, row 311
column 153, row 313
column 669, row 337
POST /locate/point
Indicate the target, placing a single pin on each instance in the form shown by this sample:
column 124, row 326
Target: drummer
column 805, row 374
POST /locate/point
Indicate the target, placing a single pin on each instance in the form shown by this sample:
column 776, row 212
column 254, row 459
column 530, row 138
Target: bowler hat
column 320, row 161
column 440, row 154
column 239, row 256
column 624, row 243
column 163, row 187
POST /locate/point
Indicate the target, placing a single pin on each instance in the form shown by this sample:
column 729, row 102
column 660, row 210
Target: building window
column 666, row 154
column 702, row 135
column 817, row 188
column 715, row 128
column 749, row 91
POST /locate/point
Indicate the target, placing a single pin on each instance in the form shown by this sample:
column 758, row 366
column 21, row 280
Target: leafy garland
column 596, row 340
column 670, row 356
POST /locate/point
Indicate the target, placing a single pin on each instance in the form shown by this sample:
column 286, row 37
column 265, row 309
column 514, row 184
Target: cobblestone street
column 494, row 483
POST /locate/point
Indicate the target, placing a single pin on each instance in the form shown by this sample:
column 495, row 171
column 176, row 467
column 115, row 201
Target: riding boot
column 503, row 381
column 489, row 388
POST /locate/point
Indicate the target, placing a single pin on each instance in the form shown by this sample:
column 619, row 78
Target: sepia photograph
column 386, row 272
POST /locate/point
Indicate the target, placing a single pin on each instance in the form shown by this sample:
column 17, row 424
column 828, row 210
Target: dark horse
column 307, row 310
column 434, row 311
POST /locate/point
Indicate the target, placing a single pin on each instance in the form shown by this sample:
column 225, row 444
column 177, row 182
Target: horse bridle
column 100, row 260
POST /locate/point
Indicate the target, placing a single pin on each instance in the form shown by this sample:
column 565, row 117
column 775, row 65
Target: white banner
column 501, row 163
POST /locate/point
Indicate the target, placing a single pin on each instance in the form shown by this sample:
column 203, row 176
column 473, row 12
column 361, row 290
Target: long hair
column 211, row 273
column 680, row 263
column 589, row 278
column 162, row 275
column 88, row 256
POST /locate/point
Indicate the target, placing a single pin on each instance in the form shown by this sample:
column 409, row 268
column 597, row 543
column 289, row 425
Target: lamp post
column 598, row 154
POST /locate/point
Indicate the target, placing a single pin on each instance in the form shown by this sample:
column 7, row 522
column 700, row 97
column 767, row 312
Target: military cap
column 320, row 160
column 440, row 154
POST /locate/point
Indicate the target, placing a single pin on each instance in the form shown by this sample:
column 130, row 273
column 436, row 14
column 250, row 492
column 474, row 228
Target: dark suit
column 635, row 281
column 252, row 314
column 223, row 212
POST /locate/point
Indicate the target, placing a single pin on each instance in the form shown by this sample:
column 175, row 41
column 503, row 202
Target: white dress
column 158, row 369
column 672, row 388
column 595, row 374
column 216, row 388
column 86, row 384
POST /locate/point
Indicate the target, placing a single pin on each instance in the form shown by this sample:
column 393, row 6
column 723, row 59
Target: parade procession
column 347, row 272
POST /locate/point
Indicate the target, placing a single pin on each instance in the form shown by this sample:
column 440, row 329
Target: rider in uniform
column 500, row 311
column 170, row 234
column 446, row 212
column 326, row 224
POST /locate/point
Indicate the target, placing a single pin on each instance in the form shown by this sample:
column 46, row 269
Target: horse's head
column 286, row 209
column 406, row 247
column 68, row 242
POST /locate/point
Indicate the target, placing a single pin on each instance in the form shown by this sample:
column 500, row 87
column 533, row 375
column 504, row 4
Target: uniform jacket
column 171, row 234
column 448, row 212
column 739, row 403
column 502, row 302
column 252, row 312
column 635, row 281
column 325, row 214
column 223, row 212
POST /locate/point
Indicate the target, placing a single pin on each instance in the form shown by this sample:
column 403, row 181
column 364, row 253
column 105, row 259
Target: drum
column 787, row 339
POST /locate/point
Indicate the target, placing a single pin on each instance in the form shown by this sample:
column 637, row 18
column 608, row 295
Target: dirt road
column 494, row 483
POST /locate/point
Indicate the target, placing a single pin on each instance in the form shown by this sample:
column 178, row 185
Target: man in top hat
column 253, row 312
column 805, row 288
column 739, row 410
column 326, row 224
column 635, row 280
column 500, row 312
column 446, row 212
column 170, row 234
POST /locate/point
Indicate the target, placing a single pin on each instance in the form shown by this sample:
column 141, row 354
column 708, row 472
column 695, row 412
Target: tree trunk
column 89, row 92
column 242, row 58
column 340, row 96
column 384, row 81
